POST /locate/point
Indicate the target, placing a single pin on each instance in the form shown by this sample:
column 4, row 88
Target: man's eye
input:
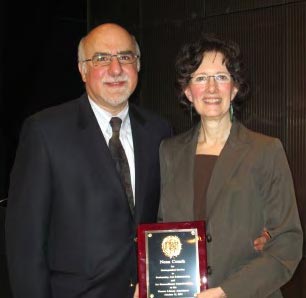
column 125, row 57
column 102, row 58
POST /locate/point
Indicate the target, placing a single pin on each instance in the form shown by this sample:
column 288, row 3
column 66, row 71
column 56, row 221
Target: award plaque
column 172, row 259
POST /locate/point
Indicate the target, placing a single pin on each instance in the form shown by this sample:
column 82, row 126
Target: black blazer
column 69, row 229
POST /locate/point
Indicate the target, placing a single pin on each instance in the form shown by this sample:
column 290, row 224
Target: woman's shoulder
column 254, row 136
column 259, row 141
column 182, row 137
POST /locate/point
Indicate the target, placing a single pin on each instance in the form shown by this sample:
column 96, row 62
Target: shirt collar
column 104, row 117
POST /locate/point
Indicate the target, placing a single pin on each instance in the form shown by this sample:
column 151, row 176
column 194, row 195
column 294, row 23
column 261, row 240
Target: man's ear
column 83, row 70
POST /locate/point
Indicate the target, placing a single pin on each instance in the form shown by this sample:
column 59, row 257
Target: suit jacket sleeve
column 27, row 216
column 271, row 269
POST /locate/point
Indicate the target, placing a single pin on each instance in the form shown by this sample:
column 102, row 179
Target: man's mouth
column 115, row 83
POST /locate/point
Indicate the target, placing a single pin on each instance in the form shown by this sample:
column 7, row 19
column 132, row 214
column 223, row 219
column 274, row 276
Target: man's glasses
column 101, row 59
column 202, row 79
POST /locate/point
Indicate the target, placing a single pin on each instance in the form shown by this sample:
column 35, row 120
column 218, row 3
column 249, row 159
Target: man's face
column 111, row 85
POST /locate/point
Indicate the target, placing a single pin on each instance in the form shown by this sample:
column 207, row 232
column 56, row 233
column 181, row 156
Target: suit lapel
column 141, row 143
column 94, row 146
column 226, row 165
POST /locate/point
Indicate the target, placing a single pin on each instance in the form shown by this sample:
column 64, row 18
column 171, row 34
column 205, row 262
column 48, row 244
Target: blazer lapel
column 184, row 182
column 226, row 165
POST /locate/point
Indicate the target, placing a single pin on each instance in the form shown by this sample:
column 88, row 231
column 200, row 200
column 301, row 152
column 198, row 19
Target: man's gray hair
column 137, row 51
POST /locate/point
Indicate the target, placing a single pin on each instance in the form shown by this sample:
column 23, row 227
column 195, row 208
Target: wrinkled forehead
column 108, row 40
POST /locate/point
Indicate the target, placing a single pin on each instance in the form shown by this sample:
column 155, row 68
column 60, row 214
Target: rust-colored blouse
column 203, row 167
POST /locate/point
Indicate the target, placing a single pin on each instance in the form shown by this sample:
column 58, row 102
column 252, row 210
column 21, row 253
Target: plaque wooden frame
column 149, row 268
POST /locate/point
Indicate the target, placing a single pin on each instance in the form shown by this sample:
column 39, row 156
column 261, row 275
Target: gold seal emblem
column 171, row 246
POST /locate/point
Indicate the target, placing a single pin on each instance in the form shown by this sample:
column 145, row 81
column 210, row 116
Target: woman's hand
column 212, row 293
column 136, row 293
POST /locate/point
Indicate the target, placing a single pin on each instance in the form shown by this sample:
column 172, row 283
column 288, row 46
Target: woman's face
column 211, row 88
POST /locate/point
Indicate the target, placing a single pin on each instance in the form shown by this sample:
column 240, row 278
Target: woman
column 237, row 180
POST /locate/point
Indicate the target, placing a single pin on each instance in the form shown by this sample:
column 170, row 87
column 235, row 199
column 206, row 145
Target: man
column 70, row 228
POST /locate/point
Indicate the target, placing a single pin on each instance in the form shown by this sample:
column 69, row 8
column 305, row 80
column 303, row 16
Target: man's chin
column 115, row 102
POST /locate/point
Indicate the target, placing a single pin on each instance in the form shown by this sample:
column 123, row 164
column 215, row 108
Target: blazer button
column 208, row 238
column 135, row 239
column 209, row 270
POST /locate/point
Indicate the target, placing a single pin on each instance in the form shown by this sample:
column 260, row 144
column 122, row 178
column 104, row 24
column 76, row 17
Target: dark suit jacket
column 69, row 231
column 250, row 188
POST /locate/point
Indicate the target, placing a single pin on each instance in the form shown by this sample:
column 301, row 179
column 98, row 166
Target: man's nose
column 114, row 67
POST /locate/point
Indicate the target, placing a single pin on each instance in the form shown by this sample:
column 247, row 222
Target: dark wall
column 125, row 13
column 39, row 65
column 38, row 69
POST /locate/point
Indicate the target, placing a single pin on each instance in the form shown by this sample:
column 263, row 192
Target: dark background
column 38, row 69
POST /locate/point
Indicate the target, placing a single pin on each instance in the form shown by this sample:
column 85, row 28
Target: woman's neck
column 213, row 136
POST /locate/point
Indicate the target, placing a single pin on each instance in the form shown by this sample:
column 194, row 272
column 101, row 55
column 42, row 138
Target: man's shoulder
column 143, row 112
column 183, row 137
column 60, row 118
column 62, row 109
column 146, row 116
column 63, row 112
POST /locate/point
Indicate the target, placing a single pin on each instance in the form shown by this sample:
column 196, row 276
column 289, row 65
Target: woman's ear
column 234, row 92
column 188, row 94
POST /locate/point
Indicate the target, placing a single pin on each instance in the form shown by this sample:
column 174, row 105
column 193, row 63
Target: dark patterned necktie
column 121, row 162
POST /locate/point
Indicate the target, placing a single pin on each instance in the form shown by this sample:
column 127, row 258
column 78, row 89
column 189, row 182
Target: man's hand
column 260, row 242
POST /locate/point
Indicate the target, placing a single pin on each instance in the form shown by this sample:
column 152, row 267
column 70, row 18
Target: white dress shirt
column 126, row 138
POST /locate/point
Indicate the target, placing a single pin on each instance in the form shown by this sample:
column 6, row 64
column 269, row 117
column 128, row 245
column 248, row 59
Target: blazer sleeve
column 273, row 267
column 27, row 215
